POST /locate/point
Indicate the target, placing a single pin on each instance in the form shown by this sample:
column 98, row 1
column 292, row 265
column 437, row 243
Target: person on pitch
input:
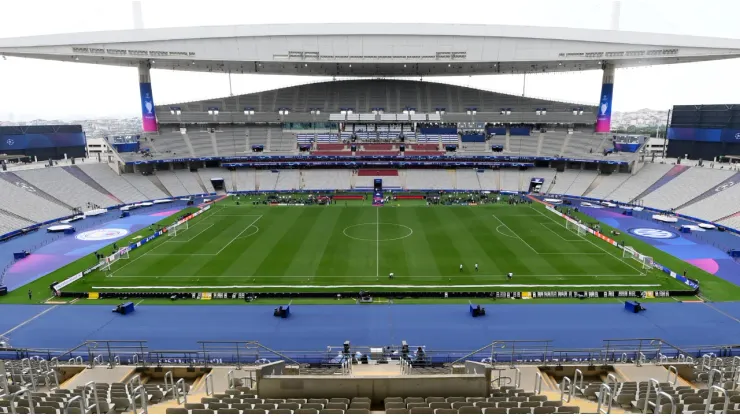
column 390, row 276
column 476, row 267
column 509, row 276
column 460, row 266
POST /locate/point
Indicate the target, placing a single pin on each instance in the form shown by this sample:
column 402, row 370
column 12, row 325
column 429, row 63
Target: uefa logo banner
column 653, row 233
column 102, row 234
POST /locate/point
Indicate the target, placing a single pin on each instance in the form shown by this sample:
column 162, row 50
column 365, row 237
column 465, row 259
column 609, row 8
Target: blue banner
column 40, row 141
column 473, row 138
column 626, row 147
column 697, row 134
column 520, row 131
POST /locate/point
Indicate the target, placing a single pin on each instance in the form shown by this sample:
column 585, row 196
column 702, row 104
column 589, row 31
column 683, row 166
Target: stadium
column 373, row 244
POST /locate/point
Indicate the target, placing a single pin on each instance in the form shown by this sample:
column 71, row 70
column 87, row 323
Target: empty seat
column 174, row 411
column 318, row 406
column 440, row 405
column 397, row 411
column 229, row 411
column 435, row 399
column 203, row 412
column 191, row 406
column 394, row 405
column 299, row 401
column 421, row 410
column 289, row 406
column 280, row 412
column 306, row 412
column 265, row 406
column 494, row 411
column 336, row 406
column 520, row 410
column 325, row 401
column 332, row 411
column 469, row 410
column 416, row 405
column 544, row 410
column 569, row 409
column 254, row 412
column 339, row 400
column 445, row 411
column 359, row 405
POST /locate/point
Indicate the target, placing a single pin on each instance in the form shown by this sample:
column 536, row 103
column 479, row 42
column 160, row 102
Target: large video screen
column 43, row 141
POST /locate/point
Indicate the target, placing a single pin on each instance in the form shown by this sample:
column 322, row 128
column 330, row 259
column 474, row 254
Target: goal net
column 113, row 258
column 630, row 253
column 173, row 230
column 576, row 228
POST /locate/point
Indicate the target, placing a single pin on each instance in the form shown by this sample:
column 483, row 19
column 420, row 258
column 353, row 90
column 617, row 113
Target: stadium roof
column 344, row 49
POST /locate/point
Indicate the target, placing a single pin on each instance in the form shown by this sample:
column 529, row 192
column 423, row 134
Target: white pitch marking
column 354, row 286
column 515, row 234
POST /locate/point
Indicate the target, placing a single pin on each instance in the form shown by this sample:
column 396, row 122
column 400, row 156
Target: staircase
column 85, row 178
column 155, row 180
column 16, row 180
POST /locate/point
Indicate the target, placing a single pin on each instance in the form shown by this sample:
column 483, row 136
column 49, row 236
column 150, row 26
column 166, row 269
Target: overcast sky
column 40, row 89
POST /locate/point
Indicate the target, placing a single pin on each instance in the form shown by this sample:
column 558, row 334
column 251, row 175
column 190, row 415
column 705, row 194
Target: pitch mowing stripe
column 523, row 286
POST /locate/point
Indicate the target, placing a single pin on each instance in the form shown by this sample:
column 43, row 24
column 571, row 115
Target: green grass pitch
column 352, row 247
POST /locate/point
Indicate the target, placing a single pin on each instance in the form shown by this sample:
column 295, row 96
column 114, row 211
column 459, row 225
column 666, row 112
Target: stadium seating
column 638, row 183
column 685, row 187
column 430, row 179
column 325, row 179
column 173, row 184
column 58, row 183
column 572, row 182
column 108, row 179
column 334, row 95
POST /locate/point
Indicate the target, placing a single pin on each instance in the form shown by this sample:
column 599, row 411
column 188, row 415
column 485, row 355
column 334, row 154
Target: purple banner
column 148, row 118
column 604, row 118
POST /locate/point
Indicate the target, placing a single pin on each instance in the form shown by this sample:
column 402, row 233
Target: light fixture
column 537, row 112
column 249, row 111
column 508, row 111
column 350, row 65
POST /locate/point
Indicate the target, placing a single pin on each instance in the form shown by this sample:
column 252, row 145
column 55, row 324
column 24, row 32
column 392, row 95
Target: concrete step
column 99, row 374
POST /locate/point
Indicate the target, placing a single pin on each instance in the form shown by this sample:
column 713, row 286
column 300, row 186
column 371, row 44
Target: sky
column 32, row 89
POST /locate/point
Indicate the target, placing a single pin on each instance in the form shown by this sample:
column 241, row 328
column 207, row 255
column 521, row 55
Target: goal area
column 576, row 228
column 114, row 258
column 630, row 253
column 177, row 228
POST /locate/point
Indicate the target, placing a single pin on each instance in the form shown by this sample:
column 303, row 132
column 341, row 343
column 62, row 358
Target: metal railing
column 209, row 384
column 605, row 399
column 566, row 390
column 709, row 405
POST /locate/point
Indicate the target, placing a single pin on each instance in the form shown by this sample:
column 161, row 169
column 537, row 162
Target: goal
column 173, row 230
column 576, row 228
column 630, row 253
column 113, row 258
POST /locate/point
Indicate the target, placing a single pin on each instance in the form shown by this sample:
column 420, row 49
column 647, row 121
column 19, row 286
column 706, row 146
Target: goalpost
column 630, row 253
column 173, row 230
column 113, row 258
column 576, row 228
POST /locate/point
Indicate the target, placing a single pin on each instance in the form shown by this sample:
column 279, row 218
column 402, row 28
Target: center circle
column 372, row 231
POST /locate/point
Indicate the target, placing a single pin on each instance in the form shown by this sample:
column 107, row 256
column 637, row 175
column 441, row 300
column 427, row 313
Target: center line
column 377, row 241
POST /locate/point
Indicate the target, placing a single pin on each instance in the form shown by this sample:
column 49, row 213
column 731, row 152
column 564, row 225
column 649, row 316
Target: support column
column 604, row 116
column 148, row 117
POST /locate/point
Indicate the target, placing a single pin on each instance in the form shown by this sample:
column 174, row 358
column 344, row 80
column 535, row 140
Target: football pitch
column 260, row 248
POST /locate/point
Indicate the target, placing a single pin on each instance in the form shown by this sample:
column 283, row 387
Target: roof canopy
column 372, row 49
